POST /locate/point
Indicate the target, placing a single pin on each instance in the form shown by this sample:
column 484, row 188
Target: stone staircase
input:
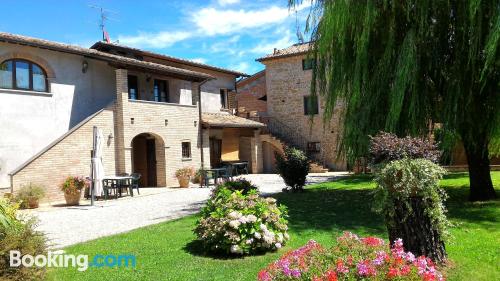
column 279, row 135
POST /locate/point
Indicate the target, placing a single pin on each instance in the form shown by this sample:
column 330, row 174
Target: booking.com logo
column 81, row 262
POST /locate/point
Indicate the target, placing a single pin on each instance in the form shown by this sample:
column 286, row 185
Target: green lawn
column 166, row 252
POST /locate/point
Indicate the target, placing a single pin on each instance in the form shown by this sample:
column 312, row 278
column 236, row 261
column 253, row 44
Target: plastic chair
column 135, row 183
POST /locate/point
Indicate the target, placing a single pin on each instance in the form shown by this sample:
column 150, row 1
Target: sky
column 225, row 33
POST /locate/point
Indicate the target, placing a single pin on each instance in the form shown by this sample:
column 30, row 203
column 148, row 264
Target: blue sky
column 225, row 33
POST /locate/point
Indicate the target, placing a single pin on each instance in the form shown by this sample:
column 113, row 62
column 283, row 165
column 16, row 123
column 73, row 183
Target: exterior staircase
column 281, row 135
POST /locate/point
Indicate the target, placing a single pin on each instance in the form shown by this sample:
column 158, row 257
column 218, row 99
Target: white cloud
column 268, row 47
column 199, row 60
column 211, row 21
column 241, row 67
column 161, row 39
column 227, row 2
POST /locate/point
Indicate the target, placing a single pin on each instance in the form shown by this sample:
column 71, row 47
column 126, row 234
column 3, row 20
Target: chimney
column 274, row 52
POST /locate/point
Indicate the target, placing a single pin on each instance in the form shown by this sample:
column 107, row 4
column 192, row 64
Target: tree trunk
column 417, row 231
column 481, row 186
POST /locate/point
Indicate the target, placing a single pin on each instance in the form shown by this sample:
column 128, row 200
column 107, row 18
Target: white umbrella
column 98, row 167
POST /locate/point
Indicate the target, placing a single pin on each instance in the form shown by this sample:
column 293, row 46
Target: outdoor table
column 237, row 166
column 216, row 171
column 116, row 182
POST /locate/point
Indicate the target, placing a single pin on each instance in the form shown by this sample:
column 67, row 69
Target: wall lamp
column 85, row 66
column 195, row 122
column 166, row 122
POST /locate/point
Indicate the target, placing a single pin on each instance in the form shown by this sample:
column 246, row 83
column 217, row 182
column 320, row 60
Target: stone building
column 293, row 115
column 251, row 98
column 157, row 113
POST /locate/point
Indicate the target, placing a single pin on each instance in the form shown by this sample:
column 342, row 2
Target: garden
column 408, row 221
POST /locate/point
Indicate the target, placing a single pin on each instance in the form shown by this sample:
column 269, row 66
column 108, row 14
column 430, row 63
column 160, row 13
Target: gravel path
column 71, row 225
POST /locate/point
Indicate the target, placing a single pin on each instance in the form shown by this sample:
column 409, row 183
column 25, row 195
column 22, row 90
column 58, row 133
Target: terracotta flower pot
column 183, row 182
column 33, row 202
column 72, row 199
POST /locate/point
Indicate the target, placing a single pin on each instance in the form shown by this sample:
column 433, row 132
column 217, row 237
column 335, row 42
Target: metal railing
column 290, row 136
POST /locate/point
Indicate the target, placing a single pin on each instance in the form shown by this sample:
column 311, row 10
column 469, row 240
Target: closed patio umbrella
column 97, row 166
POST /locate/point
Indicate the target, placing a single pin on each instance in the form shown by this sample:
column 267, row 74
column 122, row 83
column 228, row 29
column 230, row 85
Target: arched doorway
column 268, row 157
column 148, row 159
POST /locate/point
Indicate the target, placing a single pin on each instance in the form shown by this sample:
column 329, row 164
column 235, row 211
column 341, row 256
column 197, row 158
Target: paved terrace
column 65, row 226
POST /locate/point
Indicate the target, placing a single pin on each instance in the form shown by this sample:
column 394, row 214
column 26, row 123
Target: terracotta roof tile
column 295, row 49
column 101, row 44
column 228, row 121
column 61, row 47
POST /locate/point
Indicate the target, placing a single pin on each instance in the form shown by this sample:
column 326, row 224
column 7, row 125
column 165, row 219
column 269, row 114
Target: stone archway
column 148, row 159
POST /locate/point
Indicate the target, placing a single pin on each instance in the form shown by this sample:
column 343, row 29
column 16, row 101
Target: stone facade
column 286, row 85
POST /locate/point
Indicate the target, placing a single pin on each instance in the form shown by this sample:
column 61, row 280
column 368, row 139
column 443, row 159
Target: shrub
column 28, row 193
column 409, row 195
column 19, row 234
column 197, row 176
column 73, row 185
column 351, row 258
column 186, row 172
column 237, row 224
column 386, row 147
column 293, row 167
column 7, row 213
column 242, row 185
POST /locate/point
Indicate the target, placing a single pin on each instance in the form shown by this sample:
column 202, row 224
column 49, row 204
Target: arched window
column 22, row 75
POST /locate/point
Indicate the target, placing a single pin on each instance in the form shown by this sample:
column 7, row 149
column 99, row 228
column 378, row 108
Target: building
column 158, row 113
column 293, row 115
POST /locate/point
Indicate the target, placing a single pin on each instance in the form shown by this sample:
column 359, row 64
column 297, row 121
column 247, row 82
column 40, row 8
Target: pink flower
column 341, row 268
column 365, row 268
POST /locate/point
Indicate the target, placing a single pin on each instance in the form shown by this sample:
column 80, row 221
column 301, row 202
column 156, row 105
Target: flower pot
column 33, row 202
column 183, row 182
column 72, row 199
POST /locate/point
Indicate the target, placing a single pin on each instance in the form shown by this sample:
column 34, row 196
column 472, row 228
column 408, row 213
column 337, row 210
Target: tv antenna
column 104, row 16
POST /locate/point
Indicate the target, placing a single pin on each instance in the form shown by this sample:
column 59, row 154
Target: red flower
column 373, row 241
column 264, row 276
column 405, row 270
column 331, row 275
column 393, row 272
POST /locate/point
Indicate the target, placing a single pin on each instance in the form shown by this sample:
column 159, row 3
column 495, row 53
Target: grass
column 166, row 252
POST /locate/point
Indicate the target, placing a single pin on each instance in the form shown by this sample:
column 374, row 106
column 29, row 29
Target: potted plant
column 72, row 188
column 30, row 195
column 183, row 175
column 197, row 176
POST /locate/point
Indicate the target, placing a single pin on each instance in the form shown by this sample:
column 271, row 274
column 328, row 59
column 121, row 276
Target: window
column 186, row 149
column 161, row 90
column 22, row 75
column 133, row 87
column 310, row 105
column 223, row 98
column 307, row 64
column 313, row 147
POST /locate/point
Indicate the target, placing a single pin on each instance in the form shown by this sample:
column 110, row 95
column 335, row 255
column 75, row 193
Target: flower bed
column 238, row 224
column 352, row 258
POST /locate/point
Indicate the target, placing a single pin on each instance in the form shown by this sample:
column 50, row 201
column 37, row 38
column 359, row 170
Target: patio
column 71, row 225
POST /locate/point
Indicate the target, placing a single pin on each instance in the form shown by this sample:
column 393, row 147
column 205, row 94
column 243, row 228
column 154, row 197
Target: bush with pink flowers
column 351, row 258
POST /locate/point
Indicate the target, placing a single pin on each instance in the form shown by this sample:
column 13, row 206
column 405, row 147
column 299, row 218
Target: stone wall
column 286, row 85
column 250, row 91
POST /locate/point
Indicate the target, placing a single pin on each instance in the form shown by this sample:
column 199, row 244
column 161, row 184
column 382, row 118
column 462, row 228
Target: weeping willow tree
column 404, row 66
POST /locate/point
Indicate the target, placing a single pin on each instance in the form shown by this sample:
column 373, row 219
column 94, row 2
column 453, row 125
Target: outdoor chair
column 227, row 174
column 124, row 184
column 135, row 183
column 110, row 185
column 207, row 176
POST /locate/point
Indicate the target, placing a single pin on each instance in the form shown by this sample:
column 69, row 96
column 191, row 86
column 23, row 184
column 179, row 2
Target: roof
column 251, row 78
column 100, row 45
column 95, row 54
column 294, row 50
column 228, row 121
